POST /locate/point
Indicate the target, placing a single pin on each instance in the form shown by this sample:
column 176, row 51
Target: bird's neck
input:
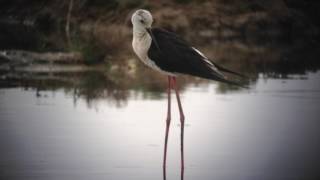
column 139, row 32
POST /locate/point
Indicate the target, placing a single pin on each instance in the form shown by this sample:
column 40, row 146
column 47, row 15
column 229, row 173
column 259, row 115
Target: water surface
column 110, row 132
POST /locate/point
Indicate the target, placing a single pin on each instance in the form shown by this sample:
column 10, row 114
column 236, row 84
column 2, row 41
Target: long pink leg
column 181, row 121
column 167, row 123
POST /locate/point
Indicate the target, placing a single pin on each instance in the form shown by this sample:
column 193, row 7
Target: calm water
column 268, row 132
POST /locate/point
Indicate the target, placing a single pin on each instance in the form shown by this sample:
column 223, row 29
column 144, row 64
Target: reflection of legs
column 182, row 173
column 181, row 121
column 164, row 173
column 167, row 124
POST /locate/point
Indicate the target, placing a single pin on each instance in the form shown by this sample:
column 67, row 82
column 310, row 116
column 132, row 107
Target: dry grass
column 113, row 37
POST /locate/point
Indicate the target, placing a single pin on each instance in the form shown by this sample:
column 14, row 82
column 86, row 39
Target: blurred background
column 275, row 38
column 69, row 81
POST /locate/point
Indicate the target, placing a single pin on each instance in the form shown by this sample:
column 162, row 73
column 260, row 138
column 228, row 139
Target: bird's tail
column 227, row 81
column 224, row 79
column 220, row 68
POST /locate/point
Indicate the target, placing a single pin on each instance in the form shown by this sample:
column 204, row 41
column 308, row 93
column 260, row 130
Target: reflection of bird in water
column 167, row 53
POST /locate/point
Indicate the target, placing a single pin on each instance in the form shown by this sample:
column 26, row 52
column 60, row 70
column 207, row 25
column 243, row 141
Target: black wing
column 171, row 53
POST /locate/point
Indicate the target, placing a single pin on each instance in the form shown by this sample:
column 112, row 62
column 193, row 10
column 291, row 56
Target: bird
column 169, row 54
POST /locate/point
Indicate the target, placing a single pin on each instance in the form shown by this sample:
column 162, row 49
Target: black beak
column 152, row 37
column 149, row 30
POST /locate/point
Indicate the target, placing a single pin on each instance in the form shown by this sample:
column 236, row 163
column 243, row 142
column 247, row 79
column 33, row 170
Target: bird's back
column 172, row 53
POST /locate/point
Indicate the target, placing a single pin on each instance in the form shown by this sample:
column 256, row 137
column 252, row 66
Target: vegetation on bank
column 101, row 29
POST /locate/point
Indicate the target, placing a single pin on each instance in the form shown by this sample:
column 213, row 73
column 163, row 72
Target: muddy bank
column 260, row 33
column 107, row 24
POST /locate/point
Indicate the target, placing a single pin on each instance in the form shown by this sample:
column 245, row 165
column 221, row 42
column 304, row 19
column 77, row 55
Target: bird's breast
column 141, row 46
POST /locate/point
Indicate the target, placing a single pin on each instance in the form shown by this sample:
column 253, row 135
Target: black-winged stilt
column 167, row 53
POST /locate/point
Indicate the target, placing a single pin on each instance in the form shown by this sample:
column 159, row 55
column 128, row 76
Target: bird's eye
column 142, row 21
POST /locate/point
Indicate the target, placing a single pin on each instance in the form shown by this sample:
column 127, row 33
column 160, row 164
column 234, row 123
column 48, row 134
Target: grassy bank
column 101, row 30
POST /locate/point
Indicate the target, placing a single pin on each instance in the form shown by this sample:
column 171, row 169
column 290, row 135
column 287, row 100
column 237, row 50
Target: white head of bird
column 141, row 21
